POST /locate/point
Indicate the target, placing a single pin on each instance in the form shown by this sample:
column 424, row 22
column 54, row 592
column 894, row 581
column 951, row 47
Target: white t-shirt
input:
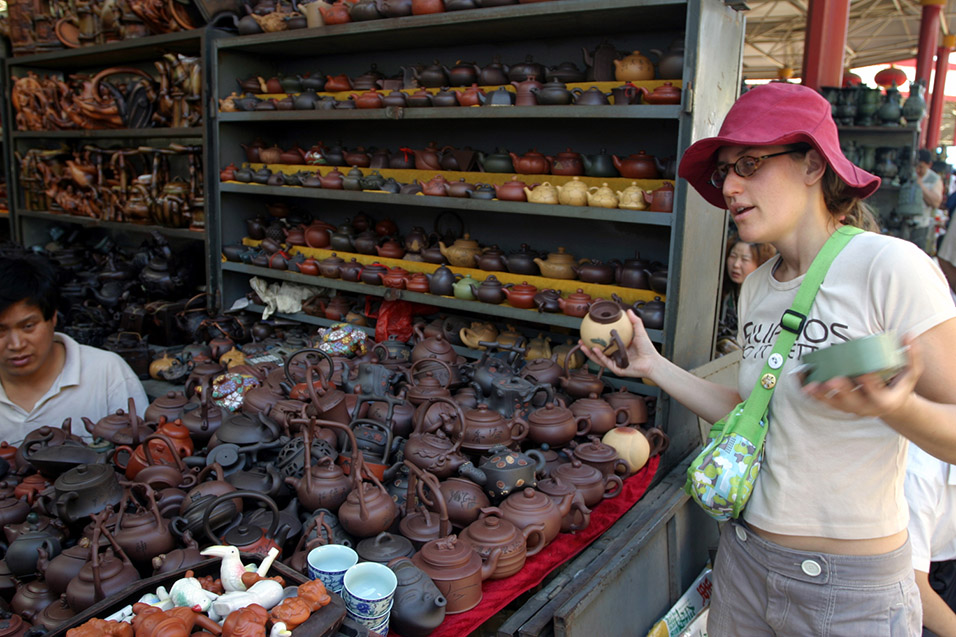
column 827, row 473
column 930, row 488
column 93, row 383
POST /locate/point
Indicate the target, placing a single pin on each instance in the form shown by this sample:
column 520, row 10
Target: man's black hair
column 31, row 279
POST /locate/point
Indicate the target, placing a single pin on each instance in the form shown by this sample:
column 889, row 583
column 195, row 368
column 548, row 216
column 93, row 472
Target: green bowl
column 876, row 354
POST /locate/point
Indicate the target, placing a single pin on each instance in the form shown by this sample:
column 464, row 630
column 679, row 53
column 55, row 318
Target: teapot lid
column 560, row 255
column 449, row 552
column 11, row 624
column 172, row 400
column 529, row 500
column 85, row 476
column 384, row 547
column 110, row 566
column 555, row 486
column 465, row 240
column 595, row 451
column 549, row 414
column 491, row 528
column 580, row 295
column 576, row 471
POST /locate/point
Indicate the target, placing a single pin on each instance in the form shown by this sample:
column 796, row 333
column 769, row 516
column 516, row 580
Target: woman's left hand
column 869, row 396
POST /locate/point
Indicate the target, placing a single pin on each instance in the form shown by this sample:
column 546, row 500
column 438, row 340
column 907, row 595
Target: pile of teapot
column 399, row 451
column 168, row 99
column 567, row 163
column 117, row 184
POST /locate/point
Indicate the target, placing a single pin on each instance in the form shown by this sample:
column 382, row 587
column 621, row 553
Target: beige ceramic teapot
column 631, row 198
column 602, row 197
column 573, row 193
column 542, row 193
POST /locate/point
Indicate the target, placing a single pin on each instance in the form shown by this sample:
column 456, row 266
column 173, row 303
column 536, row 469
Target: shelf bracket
column 689, row 97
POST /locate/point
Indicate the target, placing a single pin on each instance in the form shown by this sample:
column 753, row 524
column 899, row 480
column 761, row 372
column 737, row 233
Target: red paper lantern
column 890, row 76
column 851, row 79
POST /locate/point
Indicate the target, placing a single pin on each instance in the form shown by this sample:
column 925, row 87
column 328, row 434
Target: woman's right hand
column 641, row 353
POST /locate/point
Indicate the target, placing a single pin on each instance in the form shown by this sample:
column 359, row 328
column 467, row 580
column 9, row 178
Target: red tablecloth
column 498, row 593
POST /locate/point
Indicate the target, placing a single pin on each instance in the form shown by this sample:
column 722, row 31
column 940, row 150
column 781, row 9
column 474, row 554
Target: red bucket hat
column 774, row 114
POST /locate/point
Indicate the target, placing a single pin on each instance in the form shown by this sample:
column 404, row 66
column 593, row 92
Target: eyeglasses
column 746, row 166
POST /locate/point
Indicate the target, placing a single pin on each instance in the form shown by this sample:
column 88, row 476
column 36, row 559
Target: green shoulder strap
column 792, row 322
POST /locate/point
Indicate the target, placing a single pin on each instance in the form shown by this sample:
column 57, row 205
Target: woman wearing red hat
column 821, row 547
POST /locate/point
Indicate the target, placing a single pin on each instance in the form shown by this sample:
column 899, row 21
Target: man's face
column 922, row 168
column 26, row 340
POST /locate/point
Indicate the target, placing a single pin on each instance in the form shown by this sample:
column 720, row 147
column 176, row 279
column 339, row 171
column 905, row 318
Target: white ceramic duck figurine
column 266, row 592
column 189, row 592
column 231, row 569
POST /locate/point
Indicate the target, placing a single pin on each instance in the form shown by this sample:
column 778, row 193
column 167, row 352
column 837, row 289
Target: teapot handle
column 541, row 461
column 577, row 504
column 613, row 486
column 519, row 429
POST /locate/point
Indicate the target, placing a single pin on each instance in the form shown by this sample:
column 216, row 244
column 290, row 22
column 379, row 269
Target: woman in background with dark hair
column 742, row 259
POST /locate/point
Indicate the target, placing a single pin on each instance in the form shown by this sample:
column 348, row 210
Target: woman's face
column 766, row 205
column 740, row 262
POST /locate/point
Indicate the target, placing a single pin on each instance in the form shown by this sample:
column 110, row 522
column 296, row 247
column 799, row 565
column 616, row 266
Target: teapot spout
column 473, row 473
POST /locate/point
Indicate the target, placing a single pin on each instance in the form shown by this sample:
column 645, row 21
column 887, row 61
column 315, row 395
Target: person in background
column 45, row 376
column 946, row 256
column 931, row 185
column 930, row 488
column 742, row 259
column 821, row 547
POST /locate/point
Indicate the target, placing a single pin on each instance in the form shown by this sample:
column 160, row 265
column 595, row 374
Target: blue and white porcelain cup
column 368, row 592
column 329, row 564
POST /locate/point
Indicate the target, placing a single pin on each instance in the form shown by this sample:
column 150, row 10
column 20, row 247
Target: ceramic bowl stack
column 368, row 595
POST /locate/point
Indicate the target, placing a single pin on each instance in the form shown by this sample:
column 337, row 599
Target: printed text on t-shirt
column 760, row 337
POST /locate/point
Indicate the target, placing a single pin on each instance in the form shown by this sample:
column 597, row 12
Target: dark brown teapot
column 121, row 428
column 527, row 506
column 323, row 485
column 421, row 523
column 432, row 450
column 104, row 575
column 503, row 470
column 602, row 415
column 579, row 516
column 633, row 403
column 464, row 500
column 486, row 428
column 31, row 599
column 419, row 606
column 143, row 534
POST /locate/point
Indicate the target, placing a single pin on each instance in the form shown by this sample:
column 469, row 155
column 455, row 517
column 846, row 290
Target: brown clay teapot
column 486, row 428
column 104, row 575
column 144, row 533
column 369, row 509
column 420, row 523
column 464, row 500
column 121, row 428
column 602, row 457
column 593, row 485
column 491, row 531
column 633, row 403
column 457, row 570
column 432, row 450
column 323, row 485
column 556, row 425
column 602, row 415
column 528, row 506
column 579, row 516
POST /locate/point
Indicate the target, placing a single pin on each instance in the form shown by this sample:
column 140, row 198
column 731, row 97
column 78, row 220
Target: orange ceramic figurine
column 291, row 612
column 101, row 628
column 295, row 610
column 314, row 592
column 246, row 622
column 252, row 577
column 150, row 621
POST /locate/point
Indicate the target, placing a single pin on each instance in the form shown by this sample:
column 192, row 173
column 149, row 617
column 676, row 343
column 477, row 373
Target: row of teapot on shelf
column 462, row 74
column 572, row 193
column 567, row 163
column 464, row 252
column 527, row 93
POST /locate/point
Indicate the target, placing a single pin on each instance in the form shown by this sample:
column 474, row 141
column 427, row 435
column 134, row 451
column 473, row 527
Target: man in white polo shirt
column 930, row 488
column 45, row 376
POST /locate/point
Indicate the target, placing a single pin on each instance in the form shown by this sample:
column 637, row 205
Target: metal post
column 939, row 91
column 825, row 42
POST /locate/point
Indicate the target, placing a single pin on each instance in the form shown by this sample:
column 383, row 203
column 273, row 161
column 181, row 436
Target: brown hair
column 842, row 205
column 845, row 207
